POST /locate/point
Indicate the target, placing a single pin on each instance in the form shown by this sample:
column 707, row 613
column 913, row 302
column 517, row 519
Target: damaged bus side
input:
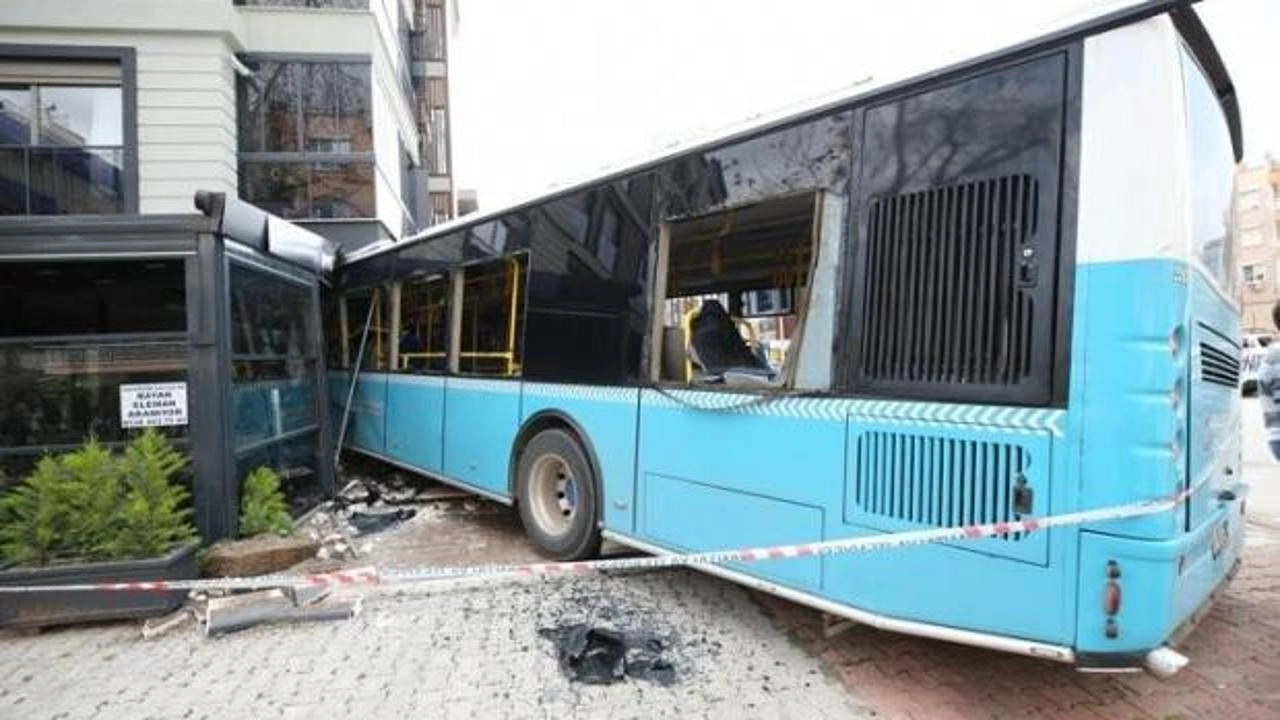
column 995, row 292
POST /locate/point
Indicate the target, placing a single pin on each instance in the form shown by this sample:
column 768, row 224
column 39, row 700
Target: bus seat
column 716, row 345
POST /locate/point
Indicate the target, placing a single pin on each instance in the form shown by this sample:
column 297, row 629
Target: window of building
column 429, row 41
column 1254, row 275
column 438, row 133
column 61, row 138
column 493, row 317
column 441, row 208
column 1251, row 200
column 1251, row 237
column 424, row 324
column 306, row 138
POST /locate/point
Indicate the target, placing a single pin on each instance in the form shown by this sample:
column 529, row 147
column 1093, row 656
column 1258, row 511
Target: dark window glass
column 13, row 181
column 607, row 238
column 493, row 317
column 71, row 333
column 342, row 190
column 335, row 107
column 278, row 188
column 424, row 324
column 57, row 393
column 76, row 180
column 377, row 345
column 954, row 281
column 77, row 298
column 268, row 108
column 77, row 116
column 15, row 115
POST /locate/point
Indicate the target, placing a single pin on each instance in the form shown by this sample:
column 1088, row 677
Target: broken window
column 493, row 317
column 424, row 324
column 377, row 350
column 734, row 287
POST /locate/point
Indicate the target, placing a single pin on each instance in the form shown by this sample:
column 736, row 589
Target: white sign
column 153, row 404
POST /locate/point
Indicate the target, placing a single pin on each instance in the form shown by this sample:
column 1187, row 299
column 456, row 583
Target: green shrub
column 154, row 516
column 91, row 504
column 263, row 508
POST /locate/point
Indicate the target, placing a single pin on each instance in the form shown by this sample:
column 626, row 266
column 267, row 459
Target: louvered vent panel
column 1218, row 367
column 945, row 271
column 937, row 481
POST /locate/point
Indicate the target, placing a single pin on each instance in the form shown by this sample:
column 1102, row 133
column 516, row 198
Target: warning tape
column 371, row 576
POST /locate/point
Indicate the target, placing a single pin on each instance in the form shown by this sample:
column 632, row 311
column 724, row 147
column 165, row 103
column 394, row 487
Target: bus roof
column 1188, row 23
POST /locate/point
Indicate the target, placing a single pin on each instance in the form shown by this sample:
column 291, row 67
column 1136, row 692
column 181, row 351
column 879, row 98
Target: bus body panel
column 1128, row 430
column 366, row 421
column 415, row 420
column 483, row 417
column 607, row 418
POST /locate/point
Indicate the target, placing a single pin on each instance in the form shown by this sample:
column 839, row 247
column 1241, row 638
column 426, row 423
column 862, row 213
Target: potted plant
column 93, row 516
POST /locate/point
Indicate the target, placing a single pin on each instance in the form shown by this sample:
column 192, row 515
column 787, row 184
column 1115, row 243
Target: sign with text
column 153, row 404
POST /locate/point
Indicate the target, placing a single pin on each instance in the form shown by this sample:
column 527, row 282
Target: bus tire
column 558, row 496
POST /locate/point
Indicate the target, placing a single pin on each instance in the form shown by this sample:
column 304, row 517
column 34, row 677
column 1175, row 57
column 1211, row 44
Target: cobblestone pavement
column 436, row 653
column 1234, row 671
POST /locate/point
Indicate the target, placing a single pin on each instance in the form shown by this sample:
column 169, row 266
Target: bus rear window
column 1212, row 173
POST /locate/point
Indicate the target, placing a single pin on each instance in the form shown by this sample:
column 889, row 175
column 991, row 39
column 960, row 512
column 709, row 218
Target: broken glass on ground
column 603, row 656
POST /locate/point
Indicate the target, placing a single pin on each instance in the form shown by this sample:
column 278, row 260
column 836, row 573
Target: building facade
column 331, row 113
column 1258, row 220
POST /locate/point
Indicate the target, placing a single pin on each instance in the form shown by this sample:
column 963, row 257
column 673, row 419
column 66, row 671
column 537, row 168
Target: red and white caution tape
column 370, row 576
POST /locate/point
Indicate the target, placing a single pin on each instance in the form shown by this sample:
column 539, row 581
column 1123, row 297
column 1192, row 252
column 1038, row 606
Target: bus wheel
column 557, row 495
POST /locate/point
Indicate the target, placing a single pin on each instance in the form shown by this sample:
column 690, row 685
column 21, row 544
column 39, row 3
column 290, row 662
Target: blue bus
column 1000, row 290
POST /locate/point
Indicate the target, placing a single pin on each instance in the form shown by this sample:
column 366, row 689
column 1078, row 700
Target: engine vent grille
column 938, row 481
column 945, row 271
column 1218, row 367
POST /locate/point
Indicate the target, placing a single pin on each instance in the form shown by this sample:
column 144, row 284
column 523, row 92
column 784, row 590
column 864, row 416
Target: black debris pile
column 603, row 656
column 367, row 522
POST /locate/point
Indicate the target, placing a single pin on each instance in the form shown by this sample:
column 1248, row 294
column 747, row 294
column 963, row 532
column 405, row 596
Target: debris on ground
column 163, row 625
column 368, row 523
column 245, row 610
column 603, row 656
column 258, row 555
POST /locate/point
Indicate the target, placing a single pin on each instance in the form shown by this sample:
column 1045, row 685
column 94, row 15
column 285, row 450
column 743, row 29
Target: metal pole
column 355, row 377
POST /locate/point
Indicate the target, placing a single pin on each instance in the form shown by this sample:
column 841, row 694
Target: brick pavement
column 1234, row 671
column 436, row 653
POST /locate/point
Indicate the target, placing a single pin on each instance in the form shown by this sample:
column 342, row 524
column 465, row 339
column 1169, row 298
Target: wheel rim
column 553, row 494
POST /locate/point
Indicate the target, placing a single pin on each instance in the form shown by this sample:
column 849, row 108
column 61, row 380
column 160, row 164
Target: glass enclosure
column 275, row 368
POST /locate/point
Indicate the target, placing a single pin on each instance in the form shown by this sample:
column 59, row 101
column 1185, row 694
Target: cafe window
column 306, row 138
column 493, row 317
column 61, row 138
column 71, row 333
column 424, row 324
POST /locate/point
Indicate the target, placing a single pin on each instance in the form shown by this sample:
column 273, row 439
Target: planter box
column 37, row 609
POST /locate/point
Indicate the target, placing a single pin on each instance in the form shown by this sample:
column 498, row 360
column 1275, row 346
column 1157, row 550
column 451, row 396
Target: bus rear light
column 1175, row 395
column 1111, row 598
column 1175, row 341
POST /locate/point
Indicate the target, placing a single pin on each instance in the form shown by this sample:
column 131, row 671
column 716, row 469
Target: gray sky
column 544, row 92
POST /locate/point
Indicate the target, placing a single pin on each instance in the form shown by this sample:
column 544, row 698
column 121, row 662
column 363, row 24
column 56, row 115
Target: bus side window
column 492, row 329
column 424, row 325
column 377, row 349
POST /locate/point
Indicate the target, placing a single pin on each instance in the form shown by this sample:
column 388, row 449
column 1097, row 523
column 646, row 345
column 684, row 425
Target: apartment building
column 1258, row 225
column 332, row 113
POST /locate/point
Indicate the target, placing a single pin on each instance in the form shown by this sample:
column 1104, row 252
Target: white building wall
column 186, row 81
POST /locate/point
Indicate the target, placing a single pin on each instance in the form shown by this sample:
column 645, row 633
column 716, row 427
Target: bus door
column 416, row 387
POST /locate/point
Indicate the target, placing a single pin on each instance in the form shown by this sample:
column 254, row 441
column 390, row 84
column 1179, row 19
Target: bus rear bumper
column 1138, row 596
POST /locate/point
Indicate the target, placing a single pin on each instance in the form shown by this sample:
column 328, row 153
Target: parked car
column 1253, row 347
